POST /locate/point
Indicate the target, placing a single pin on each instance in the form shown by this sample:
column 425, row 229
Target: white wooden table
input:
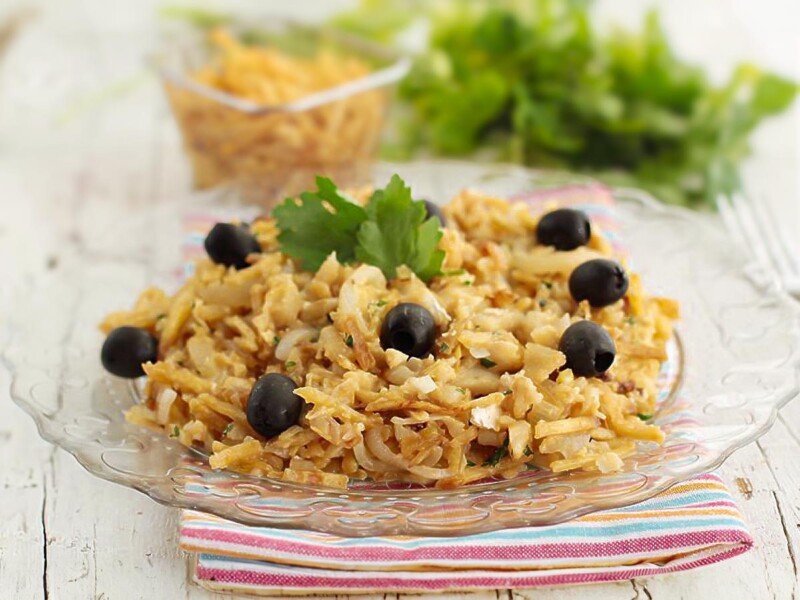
column 67, row 150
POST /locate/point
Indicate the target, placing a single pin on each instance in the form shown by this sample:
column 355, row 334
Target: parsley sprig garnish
column 390, row 231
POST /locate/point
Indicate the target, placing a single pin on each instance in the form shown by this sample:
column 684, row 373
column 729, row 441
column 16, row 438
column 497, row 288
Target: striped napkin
column 693, row 524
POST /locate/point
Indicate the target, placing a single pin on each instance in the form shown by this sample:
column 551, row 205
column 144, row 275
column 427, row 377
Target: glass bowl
column 271, row 150
column 738, row 362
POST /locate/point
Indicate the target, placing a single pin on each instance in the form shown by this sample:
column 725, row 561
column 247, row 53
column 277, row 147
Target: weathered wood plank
column 105, row 539
column 599, row 591
column 765, row 571
column 23, row 488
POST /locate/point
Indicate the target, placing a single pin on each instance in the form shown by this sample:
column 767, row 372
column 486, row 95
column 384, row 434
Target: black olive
column 434, row 210
column 272, row 406
column 409, row 328
column 589, row 349
column 230, row 245
column 126, row 349
column 565, row 228
column 600, row 281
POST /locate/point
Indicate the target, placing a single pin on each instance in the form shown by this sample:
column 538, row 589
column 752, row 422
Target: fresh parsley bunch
column 534, row 81
column 390, row 231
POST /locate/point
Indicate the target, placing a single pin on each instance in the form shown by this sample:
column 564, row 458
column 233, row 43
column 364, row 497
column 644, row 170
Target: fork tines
column 765, row 237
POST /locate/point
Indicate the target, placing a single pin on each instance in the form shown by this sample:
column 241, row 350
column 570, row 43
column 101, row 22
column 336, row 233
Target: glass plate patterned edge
column 741, row 336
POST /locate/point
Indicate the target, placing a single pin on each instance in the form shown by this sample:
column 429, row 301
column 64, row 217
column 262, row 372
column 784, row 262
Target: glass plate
column 740, row 344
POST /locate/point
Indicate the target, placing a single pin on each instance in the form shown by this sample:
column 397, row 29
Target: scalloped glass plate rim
column 210, row 504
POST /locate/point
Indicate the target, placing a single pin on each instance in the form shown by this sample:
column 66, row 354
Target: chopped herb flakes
column 498, row 455
column 488, row 363
column 348, row 339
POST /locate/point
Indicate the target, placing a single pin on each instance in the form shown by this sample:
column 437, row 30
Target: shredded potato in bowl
column 279, row 149
column 494, row 396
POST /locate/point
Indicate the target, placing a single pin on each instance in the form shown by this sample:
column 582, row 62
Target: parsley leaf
column 528, row 451
column 488, row 363
column 319, row 223
column 470, row 463
column 227, row 429
column 348, row 340
column 427, row 261
column 644, row 417
column 176, row 431
column 396, row 233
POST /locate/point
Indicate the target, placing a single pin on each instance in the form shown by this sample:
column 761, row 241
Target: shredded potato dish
column 278, row 145
column 494, row 395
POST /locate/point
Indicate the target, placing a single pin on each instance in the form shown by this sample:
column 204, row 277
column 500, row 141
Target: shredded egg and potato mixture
column 285, row 365
column 226, row 144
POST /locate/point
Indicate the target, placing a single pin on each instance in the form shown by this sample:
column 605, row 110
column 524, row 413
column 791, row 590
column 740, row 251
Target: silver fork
column 764, row 237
